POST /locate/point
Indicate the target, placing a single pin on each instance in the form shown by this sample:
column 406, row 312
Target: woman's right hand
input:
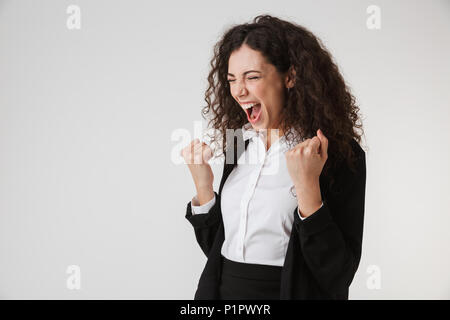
column 196, row 155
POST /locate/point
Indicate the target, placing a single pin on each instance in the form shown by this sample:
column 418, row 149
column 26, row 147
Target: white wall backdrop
column 87, row 176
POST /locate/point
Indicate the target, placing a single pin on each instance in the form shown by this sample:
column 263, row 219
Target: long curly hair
column 320, row 97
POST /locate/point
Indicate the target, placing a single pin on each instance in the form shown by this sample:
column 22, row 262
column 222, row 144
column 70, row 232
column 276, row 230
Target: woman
column 288, row 226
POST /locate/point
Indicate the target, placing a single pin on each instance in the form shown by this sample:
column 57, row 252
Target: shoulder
column 346, row 175
column 357, row 149
column 360, row 155
column 359, row 164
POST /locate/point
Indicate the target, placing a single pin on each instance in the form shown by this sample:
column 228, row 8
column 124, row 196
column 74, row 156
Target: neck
column 272, row 136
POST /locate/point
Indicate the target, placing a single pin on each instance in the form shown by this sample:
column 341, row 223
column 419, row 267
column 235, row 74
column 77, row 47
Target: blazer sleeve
column 205, row 224
column 331, row 238
column 198, row 209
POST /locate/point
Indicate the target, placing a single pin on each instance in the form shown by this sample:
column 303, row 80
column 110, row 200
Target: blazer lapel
column 229, row 164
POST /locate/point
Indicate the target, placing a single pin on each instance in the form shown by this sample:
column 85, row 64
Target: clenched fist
column 196, row 155
column 306, row 160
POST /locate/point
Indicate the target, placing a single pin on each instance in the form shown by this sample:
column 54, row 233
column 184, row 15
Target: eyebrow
column 230, row 74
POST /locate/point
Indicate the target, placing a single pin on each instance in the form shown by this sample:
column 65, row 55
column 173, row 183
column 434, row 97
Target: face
column 253, row 79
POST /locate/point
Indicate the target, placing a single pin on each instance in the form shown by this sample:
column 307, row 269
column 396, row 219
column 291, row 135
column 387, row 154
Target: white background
column 87, row 176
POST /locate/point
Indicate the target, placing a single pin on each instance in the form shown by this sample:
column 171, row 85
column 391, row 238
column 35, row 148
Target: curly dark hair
column 320, row 97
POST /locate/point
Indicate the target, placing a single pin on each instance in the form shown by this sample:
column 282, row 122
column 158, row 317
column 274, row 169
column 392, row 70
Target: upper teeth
column 246, row 106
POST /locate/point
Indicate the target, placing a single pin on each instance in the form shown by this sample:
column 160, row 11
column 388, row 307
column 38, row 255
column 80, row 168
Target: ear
column 289, row 80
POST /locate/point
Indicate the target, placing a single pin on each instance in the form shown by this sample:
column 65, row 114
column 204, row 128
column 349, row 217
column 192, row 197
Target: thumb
column 207, row 152
column 315, row 144
column 323, row 142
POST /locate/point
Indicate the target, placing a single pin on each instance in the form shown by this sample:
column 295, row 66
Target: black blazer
column 324, row 250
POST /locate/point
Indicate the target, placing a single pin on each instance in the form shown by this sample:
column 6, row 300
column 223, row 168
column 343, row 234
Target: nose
column 240, row 89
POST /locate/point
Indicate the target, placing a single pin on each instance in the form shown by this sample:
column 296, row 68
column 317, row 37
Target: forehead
column 245, row 58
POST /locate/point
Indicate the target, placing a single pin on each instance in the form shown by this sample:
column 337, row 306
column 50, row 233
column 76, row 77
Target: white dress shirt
column 257, row 201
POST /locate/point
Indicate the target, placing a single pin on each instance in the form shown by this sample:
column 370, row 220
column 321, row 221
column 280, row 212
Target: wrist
column 309, row 198
column 307, row 186
column 308, row 209
column 204, row 195
column 203, row 187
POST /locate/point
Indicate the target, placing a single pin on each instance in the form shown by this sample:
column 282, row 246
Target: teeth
column 247, row 106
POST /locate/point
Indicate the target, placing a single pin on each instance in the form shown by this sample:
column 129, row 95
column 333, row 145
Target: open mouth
column 253, row 113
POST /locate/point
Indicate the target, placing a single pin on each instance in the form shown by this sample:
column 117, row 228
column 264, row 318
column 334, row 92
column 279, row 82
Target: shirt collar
column 248, row 133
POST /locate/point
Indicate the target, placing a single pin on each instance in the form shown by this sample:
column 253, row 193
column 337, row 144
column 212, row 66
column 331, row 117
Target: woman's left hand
column 306, row 160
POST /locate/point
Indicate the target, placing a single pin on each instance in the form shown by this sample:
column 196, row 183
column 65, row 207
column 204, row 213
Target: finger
column 207, row 154
column 305, row 145
column 197, row 154
column 203, row 152
column 196, row 142
column 187, row 147
column 193, row 144
column 200, row 147
column 196, row 146
column 302, row 144
column 315, row 145
column 203, row 146
column 323, row 142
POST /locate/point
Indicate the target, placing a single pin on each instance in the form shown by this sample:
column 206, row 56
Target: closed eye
column 248, row 79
